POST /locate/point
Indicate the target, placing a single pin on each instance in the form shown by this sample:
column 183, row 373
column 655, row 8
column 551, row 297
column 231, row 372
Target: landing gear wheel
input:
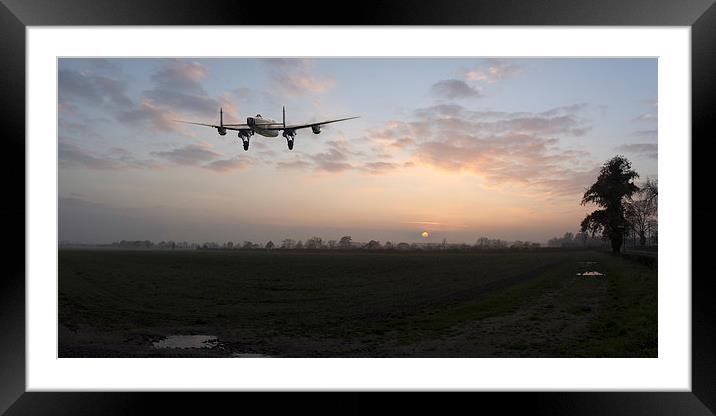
column 246, row 145
column 290, row 144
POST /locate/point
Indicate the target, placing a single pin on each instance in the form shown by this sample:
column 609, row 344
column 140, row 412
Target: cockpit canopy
column 258, row 115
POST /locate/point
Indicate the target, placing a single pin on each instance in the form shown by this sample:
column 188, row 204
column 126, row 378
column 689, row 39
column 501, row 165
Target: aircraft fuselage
column 258, row 121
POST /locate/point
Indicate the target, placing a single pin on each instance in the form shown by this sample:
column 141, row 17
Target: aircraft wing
column 226, row 126
column 236, row 125
column 304, row 126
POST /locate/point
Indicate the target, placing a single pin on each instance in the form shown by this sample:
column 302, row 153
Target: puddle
column 187, row 341
column 249, row 355
column 590, row 274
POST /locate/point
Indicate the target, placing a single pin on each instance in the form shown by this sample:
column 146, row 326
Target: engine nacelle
column 222, row 131
column 316, row 129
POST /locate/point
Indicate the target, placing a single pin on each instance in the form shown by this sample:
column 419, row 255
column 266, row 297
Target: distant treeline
column 577, row 240
column 316, row 243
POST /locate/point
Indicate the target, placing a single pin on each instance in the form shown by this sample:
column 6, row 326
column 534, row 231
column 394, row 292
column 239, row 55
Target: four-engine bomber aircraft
column 264, row 127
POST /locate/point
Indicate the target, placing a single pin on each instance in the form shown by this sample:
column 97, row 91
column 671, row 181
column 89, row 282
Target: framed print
column 353, row 209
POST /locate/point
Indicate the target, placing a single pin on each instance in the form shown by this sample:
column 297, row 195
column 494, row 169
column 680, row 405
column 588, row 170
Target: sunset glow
column 463, row 147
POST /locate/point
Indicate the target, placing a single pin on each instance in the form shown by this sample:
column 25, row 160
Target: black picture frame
column 16, row 15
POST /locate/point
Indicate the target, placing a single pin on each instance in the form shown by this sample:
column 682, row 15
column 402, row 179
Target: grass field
column 336, row 303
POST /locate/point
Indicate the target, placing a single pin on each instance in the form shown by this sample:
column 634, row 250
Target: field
column 334, row 303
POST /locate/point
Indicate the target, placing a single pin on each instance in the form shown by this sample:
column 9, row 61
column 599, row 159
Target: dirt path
column 458, row 296
column 541, row 327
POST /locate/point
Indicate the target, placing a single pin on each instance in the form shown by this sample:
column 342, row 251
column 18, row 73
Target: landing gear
column 289, row 135
column 244, row 135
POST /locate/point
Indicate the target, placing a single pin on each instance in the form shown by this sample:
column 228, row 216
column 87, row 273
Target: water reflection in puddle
column 187, row 341
column 590, row 274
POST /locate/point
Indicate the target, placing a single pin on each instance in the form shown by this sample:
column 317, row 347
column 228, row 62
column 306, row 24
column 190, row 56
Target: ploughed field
column 334, row 303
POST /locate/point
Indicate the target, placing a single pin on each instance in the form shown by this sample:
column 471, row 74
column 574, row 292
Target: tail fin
column 221, row 117
column 284, row 116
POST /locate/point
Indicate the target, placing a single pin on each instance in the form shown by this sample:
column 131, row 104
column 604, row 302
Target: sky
column 460, row 147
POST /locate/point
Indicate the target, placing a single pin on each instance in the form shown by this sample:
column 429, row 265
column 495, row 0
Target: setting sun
column 425, row 234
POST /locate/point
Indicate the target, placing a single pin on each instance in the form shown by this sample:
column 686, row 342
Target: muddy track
column 458, row 296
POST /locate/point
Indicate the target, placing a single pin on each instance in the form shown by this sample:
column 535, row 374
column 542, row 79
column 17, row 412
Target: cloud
column 651, row 115
column 344, row 146
column 92, row 88
column 493, row 70
column 519, row 148
column 565, row 110
column 332, row 160
column 294, row 165
column 564, row 120
column 648, row 117
column 379, row 168
column 189, row 155
column 74, row 128
column 454, row 89
column 176, row 90
column 180, row 75
column 646, row 134
column 230, row 165
column 104, row 66
column 394, row 137
column 160, row 119
column 395, row 134
column 72, row 155
column 294, row 76
column 177, row 84
column 517, row 159
column 567, row 124
column 447, row 110
column 506, row 148
column 649, row 150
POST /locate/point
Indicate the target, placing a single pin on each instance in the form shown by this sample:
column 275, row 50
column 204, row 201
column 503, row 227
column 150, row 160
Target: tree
column 269, row 245
column 581, row 238
column 372, row 245
column 640, row 210
column 614, row 184
column 345, row 242
column 332, row 244
column 288, row 243
column 482, row 242
column 403, row 246
column 299, row 245
column 314, row 242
